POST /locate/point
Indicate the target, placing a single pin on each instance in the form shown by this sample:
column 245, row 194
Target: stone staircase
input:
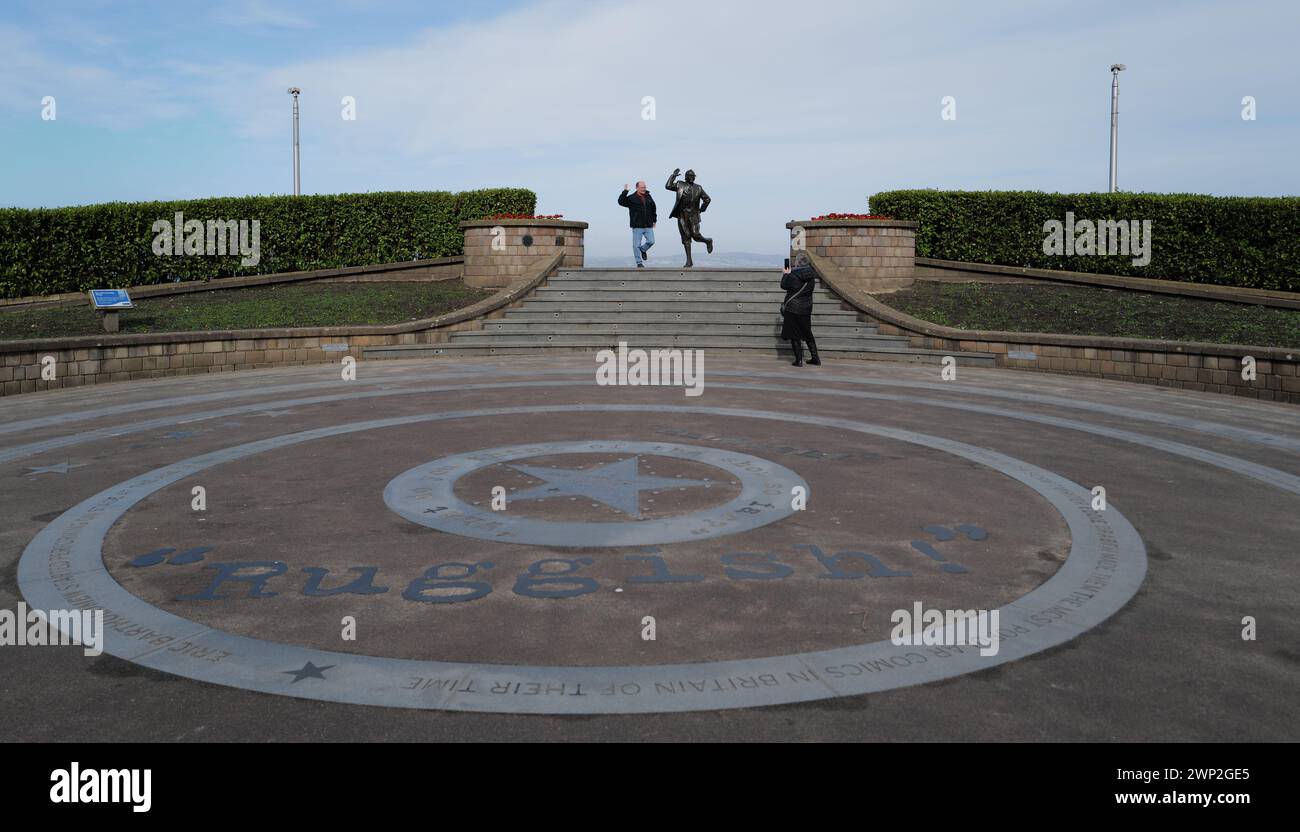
column 732, row 310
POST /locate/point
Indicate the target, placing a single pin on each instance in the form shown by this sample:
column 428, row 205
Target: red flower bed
column 851, row 217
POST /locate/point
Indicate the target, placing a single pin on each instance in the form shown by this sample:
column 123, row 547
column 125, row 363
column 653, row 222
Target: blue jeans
column 637, row 234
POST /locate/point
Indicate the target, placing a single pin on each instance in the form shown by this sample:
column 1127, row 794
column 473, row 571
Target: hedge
column 51, row 250
column 1232, row 241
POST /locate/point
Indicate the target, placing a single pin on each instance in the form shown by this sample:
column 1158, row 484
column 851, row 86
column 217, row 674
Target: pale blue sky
column 785, row 110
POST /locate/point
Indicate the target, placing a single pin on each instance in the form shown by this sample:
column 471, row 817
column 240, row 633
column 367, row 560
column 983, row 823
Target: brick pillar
column 498, row 251
column 877, row 255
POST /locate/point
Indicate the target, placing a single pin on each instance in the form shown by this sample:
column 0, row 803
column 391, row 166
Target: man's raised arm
column 672, row 177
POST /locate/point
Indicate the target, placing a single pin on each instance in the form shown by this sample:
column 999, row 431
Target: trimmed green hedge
column 51, row 250
column 1232, row 241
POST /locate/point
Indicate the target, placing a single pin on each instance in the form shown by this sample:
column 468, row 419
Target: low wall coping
column 853, row 224
column 1210, row 291
column 519, row 287
column 863, row 302
column 159, row 289
column 534, row 223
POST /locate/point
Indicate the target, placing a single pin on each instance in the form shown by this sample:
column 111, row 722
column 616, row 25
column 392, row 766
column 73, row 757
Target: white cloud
column 259, row 15
column 784, row 109
column 87, row 93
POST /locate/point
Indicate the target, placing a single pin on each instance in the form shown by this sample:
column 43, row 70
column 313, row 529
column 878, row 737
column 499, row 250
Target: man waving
column 642, row 217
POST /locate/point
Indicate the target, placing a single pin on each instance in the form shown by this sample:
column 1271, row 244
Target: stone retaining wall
column 21, row 371
column 1214, row 368
column 101, row 359
column 952, row 270
column 440, row 268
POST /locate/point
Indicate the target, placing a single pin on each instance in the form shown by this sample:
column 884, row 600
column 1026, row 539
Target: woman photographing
column 796, row 310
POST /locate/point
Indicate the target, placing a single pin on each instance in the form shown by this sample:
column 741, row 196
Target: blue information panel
column 110, row 299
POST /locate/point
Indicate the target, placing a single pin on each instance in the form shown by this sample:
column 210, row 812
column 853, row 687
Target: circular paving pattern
column 1105, row 567
column 530, row 576
column 426, row 495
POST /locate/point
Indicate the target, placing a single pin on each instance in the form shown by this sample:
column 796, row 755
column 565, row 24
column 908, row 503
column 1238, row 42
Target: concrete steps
column 829, row 318
column 717, row 310
column 647, row 340
column 678, row 305
column 772, row 328
column 780, row 348
column 653, row 275
column 687, row 284
column 699, row 292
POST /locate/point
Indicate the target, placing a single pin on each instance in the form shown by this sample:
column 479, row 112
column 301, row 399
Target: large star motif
column 616, row 484
column 308, row 671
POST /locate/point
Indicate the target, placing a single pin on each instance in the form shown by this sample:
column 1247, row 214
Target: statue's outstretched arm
column 672, row 184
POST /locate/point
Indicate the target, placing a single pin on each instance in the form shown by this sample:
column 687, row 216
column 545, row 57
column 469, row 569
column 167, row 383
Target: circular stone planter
column 876, row 254
column 498, row 251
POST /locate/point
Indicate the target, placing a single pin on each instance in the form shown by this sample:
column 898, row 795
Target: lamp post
column 297, row 170
column 1115, row 70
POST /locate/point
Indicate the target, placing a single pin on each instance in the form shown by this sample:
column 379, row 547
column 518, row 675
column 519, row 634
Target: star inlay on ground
column 616, row 484
column 308, row 671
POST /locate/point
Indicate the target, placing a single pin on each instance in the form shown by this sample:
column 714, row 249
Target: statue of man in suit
column 691, row 202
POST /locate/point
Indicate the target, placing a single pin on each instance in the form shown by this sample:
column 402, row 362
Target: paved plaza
column 501, row 548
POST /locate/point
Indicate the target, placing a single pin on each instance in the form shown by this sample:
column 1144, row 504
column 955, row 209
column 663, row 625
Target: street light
column 297, row 171
column 1115, row 70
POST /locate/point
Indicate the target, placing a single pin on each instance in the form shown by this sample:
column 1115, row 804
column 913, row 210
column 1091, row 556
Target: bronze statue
column 691, row 202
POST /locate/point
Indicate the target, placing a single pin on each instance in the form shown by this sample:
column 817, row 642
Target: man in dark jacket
column 796, row 311
column 642, row 217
